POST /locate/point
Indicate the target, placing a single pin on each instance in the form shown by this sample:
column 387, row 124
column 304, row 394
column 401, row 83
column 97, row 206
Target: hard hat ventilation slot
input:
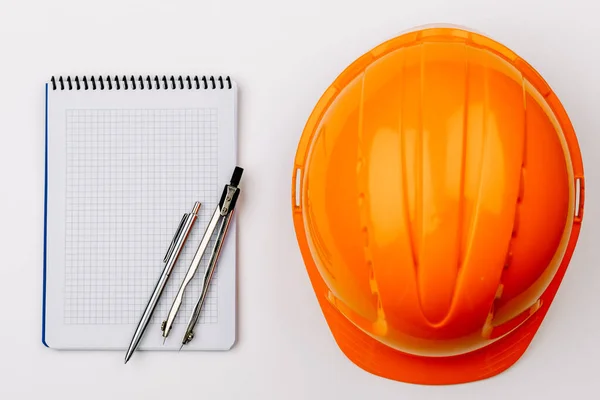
column 516, row 222
column 578, row 202
column 297, row 187
column 508, row 260
column 521, row 186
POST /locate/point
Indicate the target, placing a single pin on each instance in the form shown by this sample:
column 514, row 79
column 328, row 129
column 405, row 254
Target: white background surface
column 283, row 55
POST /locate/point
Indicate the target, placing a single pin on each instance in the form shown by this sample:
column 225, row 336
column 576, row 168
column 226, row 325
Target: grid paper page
column 123, row 166
column 126, row 171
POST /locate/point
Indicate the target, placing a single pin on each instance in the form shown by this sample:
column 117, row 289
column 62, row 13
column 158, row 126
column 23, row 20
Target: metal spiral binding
column 140, row 82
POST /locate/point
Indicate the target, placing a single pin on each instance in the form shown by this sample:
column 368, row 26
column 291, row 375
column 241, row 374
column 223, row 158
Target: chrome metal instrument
column 177, row 243
column 219, row 223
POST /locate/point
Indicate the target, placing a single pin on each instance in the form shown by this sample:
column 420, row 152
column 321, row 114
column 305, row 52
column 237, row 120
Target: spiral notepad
column 125, row 158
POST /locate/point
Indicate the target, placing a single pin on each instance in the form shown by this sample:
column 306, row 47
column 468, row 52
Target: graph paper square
column 127, row 170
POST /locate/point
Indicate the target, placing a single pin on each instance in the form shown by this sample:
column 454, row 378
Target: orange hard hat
column 437, row 199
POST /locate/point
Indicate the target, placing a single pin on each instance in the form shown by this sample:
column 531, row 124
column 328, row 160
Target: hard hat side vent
column 579, row 197
column 297, row 180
